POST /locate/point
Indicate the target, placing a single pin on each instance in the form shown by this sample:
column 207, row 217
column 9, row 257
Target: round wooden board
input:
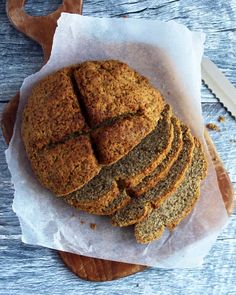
column 41, row 29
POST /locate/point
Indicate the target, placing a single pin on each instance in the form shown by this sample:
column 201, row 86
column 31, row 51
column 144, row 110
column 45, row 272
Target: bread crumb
column 93, row 226
column 82, row 222
column 221, row 119
column 212, row 126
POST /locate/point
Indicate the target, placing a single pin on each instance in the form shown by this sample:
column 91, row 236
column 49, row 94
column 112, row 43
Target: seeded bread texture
column 162, row 190
column 176, row 174
column 163, row 168
column 99, row 191
column 150, row 152
column 119, row 202
column 179, row 205
column 132, row 213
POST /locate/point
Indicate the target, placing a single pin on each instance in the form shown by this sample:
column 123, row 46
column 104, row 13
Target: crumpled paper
column 170, row 56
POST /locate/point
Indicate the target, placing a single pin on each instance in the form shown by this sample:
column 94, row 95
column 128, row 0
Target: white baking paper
column 170, row 56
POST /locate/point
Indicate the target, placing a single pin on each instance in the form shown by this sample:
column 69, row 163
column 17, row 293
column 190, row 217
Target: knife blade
column 219, row 85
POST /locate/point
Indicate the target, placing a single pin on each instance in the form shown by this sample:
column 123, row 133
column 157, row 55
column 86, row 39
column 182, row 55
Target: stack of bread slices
column 101, row 137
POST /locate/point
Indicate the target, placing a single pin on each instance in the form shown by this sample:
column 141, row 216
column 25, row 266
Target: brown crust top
column 106, row 100
column 115, row 141
column 52, row 111
column 111, row 88
column 65, row 166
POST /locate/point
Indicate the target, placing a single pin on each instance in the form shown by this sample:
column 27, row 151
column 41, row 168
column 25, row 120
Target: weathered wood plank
column 39, row 271
column 21, row 57
column 35, row 270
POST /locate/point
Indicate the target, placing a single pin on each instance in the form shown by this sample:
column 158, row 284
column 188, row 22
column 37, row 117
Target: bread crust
column 89, row 131
column 106, row 102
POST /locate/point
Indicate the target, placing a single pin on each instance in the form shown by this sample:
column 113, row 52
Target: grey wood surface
column 28, row 269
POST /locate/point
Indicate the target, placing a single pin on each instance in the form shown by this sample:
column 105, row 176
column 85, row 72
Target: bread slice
column 100, row 191
column 119, row 202
column 154, row 197
column 114, row 141
column 132, row 213
column 103, row 188
column 163, row 168
column 146, row 156
column 179, row 205
column 176, row 174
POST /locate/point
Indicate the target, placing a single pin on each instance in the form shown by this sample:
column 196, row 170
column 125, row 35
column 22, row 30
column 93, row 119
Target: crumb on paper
column 221, row 119
column 82, row 222
column 214, row 159
column 93, row 226
column 212, row 126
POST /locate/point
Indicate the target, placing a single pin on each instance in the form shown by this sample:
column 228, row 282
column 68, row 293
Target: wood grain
column 29, row 269
column 220, row 34
column 98, row 270
column 41, row 29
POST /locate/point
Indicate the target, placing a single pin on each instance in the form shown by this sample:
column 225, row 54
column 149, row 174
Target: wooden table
column 28, row 269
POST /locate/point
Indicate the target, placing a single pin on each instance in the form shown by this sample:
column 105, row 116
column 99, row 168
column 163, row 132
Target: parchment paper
column 170, row 56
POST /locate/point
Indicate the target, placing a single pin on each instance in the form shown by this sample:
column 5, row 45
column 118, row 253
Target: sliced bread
column 178, row 205
column 155, row 196
column 100, row 191
column 145, row 157
column 163, row 168
column 175, row 176
column 119, row 202
column 103, row 188
column 132, row 213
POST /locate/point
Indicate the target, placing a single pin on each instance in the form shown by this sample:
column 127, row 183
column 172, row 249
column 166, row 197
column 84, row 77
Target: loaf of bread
column 102, row 138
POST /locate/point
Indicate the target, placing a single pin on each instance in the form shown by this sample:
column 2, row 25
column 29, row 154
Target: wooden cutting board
column 41, row 29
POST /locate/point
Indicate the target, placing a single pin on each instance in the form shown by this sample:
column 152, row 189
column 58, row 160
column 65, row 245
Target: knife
column 221, row 87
